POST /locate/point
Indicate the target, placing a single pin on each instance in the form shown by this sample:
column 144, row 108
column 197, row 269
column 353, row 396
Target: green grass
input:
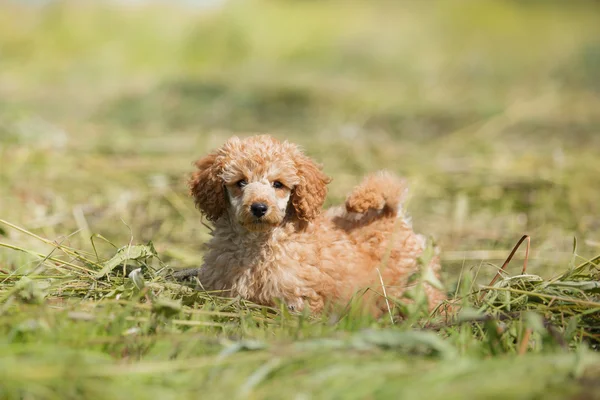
column 489, row 108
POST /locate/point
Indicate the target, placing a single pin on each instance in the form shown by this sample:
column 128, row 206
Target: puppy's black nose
column 258, row 209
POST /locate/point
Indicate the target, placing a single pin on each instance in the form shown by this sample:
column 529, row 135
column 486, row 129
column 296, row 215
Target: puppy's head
column 258, row 181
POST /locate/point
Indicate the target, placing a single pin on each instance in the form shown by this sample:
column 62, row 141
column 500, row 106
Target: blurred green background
column 490, row 108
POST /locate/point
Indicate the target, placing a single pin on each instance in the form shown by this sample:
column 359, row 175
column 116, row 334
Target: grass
column 489, row 108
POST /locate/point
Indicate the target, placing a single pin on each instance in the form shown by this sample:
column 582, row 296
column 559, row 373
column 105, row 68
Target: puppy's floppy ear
column 309, row 195
column 206, row 186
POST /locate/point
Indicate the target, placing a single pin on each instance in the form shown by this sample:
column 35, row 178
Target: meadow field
column 490, row 109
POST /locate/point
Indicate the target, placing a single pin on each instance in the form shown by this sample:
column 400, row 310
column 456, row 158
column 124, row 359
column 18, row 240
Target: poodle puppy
column 273, row 243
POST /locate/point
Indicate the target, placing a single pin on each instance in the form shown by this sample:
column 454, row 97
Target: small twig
column 510, row 256
column 525, row 341
column 206, row 225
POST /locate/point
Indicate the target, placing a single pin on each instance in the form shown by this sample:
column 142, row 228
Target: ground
column 489, row 108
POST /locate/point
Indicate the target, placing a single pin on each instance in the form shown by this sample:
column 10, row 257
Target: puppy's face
column 259, row 195
column 258, row 181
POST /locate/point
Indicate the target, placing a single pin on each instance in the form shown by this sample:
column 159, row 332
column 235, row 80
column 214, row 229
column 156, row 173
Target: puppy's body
column 272, row 243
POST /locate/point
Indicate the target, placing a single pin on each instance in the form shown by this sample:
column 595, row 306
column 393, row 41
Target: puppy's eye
column 241, row 183
column 277, row 185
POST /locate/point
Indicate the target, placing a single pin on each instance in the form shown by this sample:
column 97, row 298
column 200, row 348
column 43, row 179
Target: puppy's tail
column 381, row 192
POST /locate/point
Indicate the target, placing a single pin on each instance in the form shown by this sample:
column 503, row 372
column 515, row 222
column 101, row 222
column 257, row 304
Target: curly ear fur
column 207, row 188
column 309, row 195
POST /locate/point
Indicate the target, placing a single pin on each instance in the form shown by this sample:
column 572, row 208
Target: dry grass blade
column 57, row 261
column 509, row 258
column 594, row 304
column 387, row 302
column 58, row 246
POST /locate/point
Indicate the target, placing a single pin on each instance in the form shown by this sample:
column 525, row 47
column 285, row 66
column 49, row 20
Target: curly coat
column 295, row 252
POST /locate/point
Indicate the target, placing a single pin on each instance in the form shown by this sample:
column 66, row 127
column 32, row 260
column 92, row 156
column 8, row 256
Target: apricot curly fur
column 309, row 195
column 380, row 191
column 207, row 189
column 293, row 251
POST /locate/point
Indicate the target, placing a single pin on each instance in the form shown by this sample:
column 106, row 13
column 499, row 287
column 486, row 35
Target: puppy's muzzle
column 259, row 209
